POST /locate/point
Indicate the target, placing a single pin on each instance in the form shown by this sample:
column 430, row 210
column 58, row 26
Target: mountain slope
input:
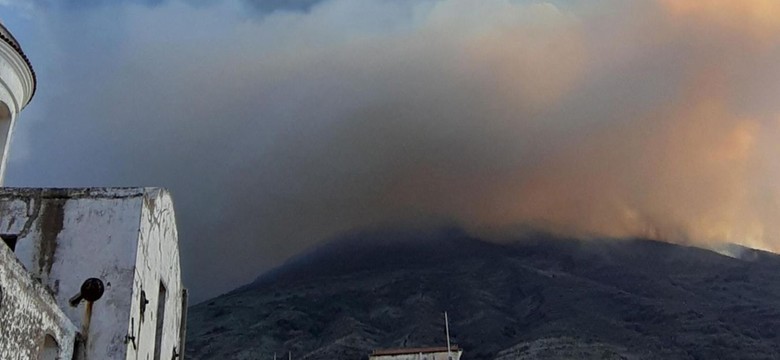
column 538, row 298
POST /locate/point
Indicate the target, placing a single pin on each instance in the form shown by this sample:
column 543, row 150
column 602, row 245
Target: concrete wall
column 125, row 237
column 157, row 264
column 418, row 356
column 28, row 314
column 66, row 236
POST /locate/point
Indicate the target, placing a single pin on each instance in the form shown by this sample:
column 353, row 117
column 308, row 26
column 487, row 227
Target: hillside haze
column 538, row 297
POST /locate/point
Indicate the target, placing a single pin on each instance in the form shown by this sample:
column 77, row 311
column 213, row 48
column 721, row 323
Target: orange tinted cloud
column 604, row 117
column 759, row 19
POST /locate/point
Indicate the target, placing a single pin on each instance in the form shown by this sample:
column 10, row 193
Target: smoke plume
column 277, row 128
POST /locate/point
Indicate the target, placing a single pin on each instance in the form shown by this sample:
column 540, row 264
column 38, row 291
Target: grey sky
column 276, row 128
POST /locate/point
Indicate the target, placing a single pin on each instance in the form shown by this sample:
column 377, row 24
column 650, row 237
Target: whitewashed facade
column 125, row 237
column 430, row 353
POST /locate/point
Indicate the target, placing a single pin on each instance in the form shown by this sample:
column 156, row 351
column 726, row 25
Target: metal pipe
column 447, row 328
column 87, row 319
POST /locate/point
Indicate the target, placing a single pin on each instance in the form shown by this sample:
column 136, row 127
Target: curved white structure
column 17, row 86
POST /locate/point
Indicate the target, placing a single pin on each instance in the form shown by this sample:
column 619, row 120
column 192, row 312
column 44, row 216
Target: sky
column 280, row 124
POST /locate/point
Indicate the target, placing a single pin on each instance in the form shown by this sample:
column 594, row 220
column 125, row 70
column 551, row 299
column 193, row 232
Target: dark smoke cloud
column 652, row 118
column 289, row 5
column 259, row 6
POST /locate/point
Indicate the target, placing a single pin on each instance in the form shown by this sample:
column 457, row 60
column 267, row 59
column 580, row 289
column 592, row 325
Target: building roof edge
column 9, row 39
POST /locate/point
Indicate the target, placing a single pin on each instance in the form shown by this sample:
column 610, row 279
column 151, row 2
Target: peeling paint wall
column 126, row 237
column 28, row 313
column 157, row 264
column 439, row 355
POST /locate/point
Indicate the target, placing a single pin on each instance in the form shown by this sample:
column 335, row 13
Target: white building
column 87, row 274
column 428, row 353
column 17, row 87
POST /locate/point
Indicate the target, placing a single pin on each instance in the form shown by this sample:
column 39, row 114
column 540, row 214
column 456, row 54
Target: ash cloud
column 606, row 118
column 260, row 7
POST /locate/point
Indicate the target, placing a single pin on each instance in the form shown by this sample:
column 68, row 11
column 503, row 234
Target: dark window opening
column 50, row 350
column 5, row 130
column 183, row 323
column 10, row 240
column 79, row 348
column 160, row 321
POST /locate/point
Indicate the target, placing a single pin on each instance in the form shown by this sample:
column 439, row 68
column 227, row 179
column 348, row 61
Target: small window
column 183, row 321
column 10, row 240
column 50, row 351
column 5, row 132
column 160, row 321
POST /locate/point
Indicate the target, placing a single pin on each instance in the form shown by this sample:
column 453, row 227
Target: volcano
column 537, row 296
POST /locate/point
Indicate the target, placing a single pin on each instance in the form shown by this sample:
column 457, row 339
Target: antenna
column 289, row 355
column 447, row 329
column 274, row 356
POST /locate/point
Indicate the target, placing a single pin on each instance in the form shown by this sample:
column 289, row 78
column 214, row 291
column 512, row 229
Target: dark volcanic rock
column 537, row 298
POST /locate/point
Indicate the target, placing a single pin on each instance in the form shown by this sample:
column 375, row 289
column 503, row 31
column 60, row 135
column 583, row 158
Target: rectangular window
column 183, row 323
column 161, row 297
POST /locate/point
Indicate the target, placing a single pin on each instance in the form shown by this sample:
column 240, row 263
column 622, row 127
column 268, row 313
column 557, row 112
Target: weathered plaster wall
column 125, row 237
column 419, row 356
column 69, row 235
column 157, row 263
column 28, row 312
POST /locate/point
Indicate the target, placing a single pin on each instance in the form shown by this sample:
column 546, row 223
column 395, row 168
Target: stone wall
column 28, row 314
